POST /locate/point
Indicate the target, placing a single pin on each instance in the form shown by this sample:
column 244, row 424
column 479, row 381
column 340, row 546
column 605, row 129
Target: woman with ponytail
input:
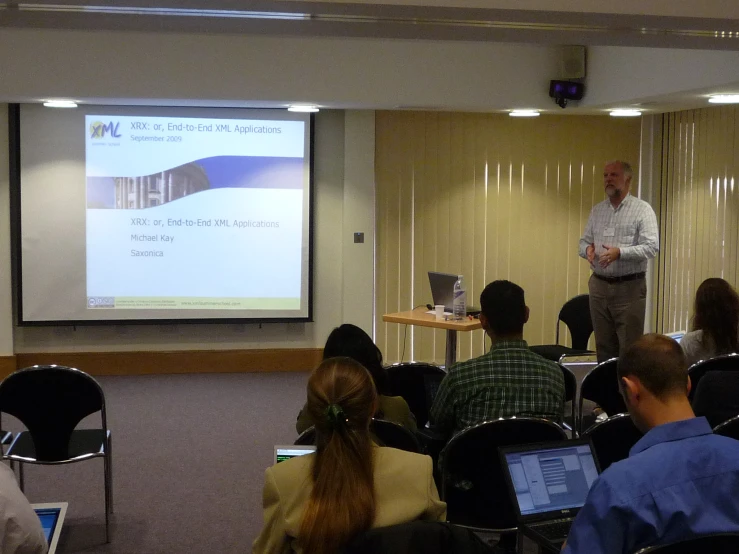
column 315, row 504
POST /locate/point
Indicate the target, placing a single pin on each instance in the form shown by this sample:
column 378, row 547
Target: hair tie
column 335, row 416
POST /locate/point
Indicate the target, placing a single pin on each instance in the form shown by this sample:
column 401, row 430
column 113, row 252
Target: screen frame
column 14, row 131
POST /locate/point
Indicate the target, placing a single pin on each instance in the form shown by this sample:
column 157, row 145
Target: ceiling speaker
column 572, row 62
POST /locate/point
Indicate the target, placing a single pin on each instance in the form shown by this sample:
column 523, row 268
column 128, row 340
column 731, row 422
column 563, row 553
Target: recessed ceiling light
column 524, row 113
column 302, row 109
column 60, row 104
column 724, row 99
column 625, row 113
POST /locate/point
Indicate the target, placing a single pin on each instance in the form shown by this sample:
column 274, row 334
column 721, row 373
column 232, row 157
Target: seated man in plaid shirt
column 509, row 380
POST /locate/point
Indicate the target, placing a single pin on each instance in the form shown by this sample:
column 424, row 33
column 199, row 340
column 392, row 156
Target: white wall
column 335, row 200
column 238, row 69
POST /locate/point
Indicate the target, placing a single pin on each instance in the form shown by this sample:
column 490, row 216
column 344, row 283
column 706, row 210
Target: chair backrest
column 613, row 438
column 729, row 428
column 717, row 396
column 723, row 543
column 570, row 384
column 570, row 393
column 416, row 382
column 394, row 435
column 600, row 385
column 472, row 479
column 387, row 433
column 51, row 400
column 307, row 437
column 575, row 313
column 727, row 362
column 417, row 537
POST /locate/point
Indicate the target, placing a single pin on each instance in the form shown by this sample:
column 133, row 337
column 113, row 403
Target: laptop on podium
column 548, row 484
column 442, row 292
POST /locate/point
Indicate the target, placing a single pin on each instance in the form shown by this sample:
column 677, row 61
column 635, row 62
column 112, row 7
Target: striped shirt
column 509, row 380
column 632, row 227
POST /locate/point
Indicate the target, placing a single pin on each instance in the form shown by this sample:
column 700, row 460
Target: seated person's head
column 351, row 341
column 341, row 401
column 717, row 313
column 503, row 310
column 653, row 379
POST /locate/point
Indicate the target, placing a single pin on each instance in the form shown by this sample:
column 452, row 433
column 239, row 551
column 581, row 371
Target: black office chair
column 575, row 314
column 727, row 362
column 50, row 401
column 472, row 480
column 723, row 543
column 417, row 383
column 717, row 396
column 600, row 385
column 729, row 428
column 386, row 433
column 613, row 438
column 418, row 537
column 570, row 394
column 394, row 435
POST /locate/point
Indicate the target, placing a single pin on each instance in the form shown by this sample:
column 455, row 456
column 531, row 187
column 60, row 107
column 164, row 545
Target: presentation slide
column 169, row 214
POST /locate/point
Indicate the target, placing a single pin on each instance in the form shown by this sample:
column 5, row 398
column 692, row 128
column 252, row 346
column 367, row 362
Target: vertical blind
column 490, row 197
column 699, row 209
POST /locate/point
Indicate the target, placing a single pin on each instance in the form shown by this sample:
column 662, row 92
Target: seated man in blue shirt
column 679, row 481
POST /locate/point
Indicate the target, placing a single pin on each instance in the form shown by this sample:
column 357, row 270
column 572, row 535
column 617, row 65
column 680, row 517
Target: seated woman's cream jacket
column 404, row 491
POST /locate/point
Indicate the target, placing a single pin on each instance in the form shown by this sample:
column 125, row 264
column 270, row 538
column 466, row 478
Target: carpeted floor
column 189, row 453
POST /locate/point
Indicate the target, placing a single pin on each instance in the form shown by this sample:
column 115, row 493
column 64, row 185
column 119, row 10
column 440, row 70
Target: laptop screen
column 283, row 453
column 677, row 336
column 551, row 479
column 442, row 288
column 51, row 516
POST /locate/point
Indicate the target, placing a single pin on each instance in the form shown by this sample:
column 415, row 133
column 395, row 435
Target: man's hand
column 609, row 256
column 590, row 253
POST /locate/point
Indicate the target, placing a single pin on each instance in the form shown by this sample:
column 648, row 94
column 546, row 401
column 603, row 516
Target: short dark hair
column 350, row 341
column 504, row 306
column 658, row 362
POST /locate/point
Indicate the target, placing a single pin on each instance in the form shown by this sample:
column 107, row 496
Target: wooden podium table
column 421, row 318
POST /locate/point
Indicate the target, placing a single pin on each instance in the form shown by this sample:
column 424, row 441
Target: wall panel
column 700, row 223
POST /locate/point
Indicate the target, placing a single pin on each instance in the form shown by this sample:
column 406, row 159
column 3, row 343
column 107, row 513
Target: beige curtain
column 491, row 197
column 698, row 209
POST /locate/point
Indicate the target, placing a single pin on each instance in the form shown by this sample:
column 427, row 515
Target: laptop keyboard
column 554, row 530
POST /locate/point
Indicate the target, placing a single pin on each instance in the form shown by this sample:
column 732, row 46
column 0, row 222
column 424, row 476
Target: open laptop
column 285, row 452
column 52, row 518
column 548, row 484
column 442, row 291
column 677, row 336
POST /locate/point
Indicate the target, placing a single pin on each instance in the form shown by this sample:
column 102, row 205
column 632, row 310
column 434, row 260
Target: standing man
column 621, row 235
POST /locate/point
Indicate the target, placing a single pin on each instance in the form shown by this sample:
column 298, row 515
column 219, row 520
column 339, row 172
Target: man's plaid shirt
column 509, row 380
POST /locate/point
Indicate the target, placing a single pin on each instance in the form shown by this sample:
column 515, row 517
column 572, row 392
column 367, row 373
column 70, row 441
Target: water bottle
column 459, row 305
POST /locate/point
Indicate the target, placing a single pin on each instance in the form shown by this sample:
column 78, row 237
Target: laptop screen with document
column 550, row 479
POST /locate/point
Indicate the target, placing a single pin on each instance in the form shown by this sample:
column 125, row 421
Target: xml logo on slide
column 98, row 130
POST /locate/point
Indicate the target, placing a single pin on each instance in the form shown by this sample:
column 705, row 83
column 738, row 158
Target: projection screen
column 143, row 214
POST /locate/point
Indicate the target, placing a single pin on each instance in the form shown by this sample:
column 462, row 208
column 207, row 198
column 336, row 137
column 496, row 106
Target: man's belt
column 622, row 278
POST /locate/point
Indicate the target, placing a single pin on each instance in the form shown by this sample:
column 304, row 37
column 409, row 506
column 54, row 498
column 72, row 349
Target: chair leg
column 107, row 486
column 21, row 480
column 110, row 470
